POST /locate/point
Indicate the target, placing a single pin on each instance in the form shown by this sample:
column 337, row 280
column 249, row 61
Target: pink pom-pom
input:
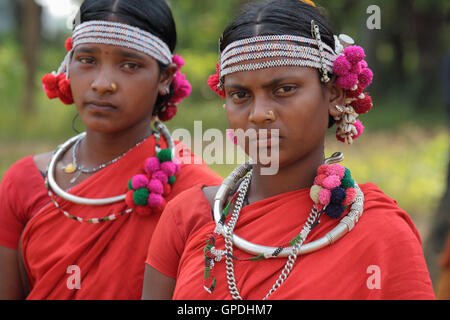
column 362, row 106
column 169, row 168
column 354, row 54
column 350, row 195
column 181, row 88
column 356, row 68
column 347, row 82
column 152, row 165
column 319, row 179
column 155, row 200
column 178, row 60
column 324, row 196
column 139, row 181
column 331, row 182
column 155, row 186
column 365, row 77
column 341, row 66
column 336, row 170
column 359, row 127
column 364, row 64
column 161, row 176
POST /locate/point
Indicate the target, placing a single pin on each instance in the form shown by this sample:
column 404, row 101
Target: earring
column 113, row 86
column 339, row 108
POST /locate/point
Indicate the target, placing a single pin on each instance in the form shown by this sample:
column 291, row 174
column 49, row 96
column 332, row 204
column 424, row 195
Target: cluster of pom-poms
column 181, row 90
column 146, row 192
column 214, row 81
column 333, row 189
column 58, row 86
column 354, row 76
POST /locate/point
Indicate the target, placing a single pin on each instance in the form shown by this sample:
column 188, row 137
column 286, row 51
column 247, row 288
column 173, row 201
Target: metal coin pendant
column 70, row 168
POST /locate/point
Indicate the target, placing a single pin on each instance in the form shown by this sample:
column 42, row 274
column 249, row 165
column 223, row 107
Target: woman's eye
column 86, row 60
column 286, row 90
column 238, row 95
column 130, row 66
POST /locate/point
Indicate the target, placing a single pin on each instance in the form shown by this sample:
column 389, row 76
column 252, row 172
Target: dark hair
column 153, row 16
column 278, row 17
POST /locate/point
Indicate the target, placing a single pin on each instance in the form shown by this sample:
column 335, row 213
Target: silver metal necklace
column 161, row 128
column 345, row 225
column 79, row 169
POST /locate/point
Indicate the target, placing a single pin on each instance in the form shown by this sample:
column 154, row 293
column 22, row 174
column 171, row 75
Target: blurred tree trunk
column 427, row 24
column 30, row 37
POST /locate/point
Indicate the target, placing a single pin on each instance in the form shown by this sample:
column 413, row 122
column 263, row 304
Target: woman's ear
column 166, row 79
column 336, row 98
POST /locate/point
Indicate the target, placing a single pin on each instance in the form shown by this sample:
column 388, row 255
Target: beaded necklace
column 333, row 180
column 164, row 166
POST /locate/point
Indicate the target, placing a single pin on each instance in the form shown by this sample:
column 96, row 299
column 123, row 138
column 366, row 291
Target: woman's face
column 115, row 88
column 290, row 99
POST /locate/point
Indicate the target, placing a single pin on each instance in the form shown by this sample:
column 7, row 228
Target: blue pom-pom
column 337, row 195
column 334, row 211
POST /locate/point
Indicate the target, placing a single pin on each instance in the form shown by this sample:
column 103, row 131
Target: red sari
column 381, row 258
column 109, row 256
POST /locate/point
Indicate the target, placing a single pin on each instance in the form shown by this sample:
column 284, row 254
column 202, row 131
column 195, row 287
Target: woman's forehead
column 270, row 76
column 95, row 48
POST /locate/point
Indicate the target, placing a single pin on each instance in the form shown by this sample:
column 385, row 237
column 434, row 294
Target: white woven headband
column 119, row 34
column 279, row 51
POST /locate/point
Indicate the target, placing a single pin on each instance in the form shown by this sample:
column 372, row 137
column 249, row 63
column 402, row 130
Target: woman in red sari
column 309, row 231
column 81, row 218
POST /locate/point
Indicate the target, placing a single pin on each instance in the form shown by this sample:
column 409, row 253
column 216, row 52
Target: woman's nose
column 103, row 83
column 261, row 113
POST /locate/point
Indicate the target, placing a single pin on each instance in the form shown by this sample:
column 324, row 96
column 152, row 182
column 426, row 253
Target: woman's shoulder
column 189, row 209
column 26, row 168
column 384, row 218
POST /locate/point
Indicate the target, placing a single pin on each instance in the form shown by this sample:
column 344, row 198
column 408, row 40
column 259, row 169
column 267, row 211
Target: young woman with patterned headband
column 309, row 231
column 81, row 217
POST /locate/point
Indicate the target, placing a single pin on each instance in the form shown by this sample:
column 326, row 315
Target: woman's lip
column 266, row 142
column 100, row 105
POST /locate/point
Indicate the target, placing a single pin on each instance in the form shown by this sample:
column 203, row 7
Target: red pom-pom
column 362, row 106
column 69, row 45
column 167, row 189
column 168, row 114
column 129, row 199
column 213, row 83
column 65, row 92
column 353, row 94
column 50, row 85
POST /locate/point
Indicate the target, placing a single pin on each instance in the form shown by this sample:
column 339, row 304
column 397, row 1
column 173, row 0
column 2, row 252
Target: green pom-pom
column 130, row 187
column 172, row 180
column 347, row 181
column 140, row 197
column 164, row 155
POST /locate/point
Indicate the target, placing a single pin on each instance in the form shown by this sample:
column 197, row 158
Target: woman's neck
column 294, row 176
column 98, row 148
